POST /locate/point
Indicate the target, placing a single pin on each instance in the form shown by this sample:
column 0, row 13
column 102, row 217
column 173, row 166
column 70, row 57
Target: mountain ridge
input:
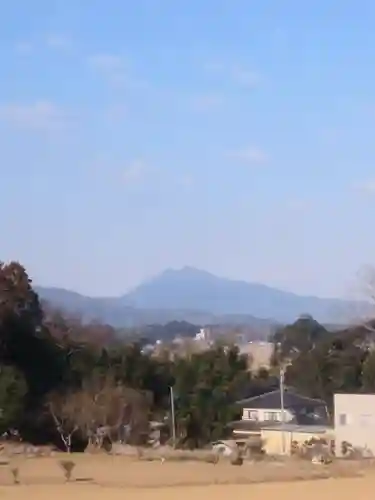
column 190, row 293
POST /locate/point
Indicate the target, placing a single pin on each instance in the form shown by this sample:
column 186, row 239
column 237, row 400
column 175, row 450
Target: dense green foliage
column 320, row 363
column 13, row 389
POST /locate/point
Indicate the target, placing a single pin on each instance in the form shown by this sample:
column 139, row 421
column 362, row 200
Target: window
column 250, row 415
column 342, row 419
column 253, row 414
column 272, row 416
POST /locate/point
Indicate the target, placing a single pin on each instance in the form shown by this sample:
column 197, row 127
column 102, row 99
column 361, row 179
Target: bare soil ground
column 100, row 476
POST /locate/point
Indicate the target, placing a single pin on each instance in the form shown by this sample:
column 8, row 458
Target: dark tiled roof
column 272, row 400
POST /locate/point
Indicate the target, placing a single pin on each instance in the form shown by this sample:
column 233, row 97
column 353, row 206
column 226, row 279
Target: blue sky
column 236, row 137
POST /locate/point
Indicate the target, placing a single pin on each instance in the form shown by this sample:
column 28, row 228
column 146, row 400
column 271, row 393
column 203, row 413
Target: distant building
column 178, row 340
column 148, row 349
column 259, row 354
column 203, row 334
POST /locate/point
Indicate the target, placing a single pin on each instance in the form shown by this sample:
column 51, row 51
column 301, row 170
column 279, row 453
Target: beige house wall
column 273, row 439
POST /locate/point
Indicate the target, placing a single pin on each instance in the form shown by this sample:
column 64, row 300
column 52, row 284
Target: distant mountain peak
column 182, row 293
column 186, row 270
column 189, row 288
column 181, row 275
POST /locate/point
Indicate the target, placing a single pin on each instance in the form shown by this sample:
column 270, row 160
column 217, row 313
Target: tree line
column 74, row 384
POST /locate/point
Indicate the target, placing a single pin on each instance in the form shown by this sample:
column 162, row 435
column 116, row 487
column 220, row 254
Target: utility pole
column 282, row 374
column 173, row 417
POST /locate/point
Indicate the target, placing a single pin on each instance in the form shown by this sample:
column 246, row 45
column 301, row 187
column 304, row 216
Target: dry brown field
column 99, row 477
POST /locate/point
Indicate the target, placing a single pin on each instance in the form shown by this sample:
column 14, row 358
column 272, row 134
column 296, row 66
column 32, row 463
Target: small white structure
column 355, row 422
column 203, row 334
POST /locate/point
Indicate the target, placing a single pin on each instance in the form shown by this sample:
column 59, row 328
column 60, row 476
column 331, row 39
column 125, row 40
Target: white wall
column 263, row 414
column 355, row 421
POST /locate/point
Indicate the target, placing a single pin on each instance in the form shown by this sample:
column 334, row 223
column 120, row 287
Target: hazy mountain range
column 201, row 298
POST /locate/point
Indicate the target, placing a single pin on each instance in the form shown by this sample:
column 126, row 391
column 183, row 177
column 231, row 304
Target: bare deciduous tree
column 66, row 411
column 113, row 406
column 99, row 410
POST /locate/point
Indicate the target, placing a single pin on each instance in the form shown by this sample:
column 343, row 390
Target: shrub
column 67, row 466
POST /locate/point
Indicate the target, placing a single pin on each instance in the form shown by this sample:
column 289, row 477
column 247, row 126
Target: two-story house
column 266, row 410
column 262, row 419
column 297, row 408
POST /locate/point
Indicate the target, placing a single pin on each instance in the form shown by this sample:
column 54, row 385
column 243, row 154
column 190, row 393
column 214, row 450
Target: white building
column 355, row 422
column 203, row 334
